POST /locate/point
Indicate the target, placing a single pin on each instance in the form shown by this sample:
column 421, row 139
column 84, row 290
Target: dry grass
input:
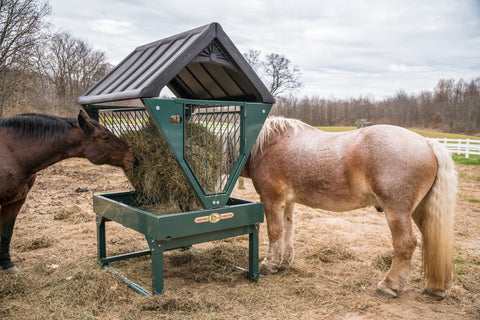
column 339, row 260
column 73, row 214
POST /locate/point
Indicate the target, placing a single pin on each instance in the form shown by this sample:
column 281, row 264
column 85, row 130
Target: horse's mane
column 278, row 125
column 37, row 125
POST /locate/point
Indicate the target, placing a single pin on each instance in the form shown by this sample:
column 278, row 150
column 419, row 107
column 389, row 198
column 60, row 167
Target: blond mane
column 276, row 125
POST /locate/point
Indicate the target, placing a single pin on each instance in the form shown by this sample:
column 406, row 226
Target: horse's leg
column 289, row 234
column 8, row 215
column 274, row 211
column 404, row 243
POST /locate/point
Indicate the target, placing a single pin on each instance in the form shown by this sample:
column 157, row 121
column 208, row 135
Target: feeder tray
column 217, row 92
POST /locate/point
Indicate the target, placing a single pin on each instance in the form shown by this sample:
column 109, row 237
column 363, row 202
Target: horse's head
column 102, row 146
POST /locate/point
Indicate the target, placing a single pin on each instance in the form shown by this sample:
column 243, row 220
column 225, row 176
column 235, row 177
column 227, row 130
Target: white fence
column 461, row 146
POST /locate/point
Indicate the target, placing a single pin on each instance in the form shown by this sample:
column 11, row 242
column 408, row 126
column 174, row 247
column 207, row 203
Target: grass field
column 436, row 134
column 472, row 160
column 425, row 133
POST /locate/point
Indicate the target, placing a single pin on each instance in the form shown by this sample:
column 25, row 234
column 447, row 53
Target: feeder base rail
column 175, row 231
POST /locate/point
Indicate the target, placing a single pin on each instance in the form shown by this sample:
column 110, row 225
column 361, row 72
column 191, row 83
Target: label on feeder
column 214, row 217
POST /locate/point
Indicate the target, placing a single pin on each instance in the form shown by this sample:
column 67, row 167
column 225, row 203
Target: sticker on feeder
column 214, row 217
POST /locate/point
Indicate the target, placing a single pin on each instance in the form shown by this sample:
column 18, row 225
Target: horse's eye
column 105, row 138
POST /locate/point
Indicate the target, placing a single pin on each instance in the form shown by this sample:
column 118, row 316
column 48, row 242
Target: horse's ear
column 83, row 122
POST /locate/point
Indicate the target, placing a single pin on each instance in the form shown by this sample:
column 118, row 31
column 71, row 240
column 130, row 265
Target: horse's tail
column 437, row 223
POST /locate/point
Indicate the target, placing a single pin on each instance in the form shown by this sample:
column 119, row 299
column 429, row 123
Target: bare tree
column 276, row 70
column 253, row 58
column 21, row 24
column 282, row 76
column 71, row 65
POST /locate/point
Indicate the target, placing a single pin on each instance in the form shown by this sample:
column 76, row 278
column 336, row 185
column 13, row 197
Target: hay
column 25, row 244
column 160, row 184
column 383, row 260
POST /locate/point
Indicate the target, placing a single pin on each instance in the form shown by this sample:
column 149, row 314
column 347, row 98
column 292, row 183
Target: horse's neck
column 43, row 154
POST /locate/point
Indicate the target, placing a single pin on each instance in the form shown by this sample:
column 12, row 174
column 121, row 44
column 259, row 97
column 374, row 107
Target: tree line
column 452, row 106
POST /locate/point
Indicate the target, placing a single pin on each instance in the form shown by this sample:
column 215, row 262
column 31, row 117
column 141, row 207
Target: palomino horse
column 407, row 175
column 32, row 142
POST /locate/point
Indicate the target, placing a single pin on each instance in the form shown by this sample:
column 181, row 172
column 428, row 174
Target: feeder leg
column 157, row 271
column 101, row 239
column 253, row 255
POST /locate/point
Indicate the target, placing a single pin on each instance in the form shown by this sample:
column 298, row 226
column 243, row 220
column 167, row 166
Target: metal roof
column 202, row 63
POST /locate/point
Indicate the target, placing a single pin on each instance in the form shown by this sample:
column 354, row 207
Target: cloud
column 112, row 26
column 343, row 47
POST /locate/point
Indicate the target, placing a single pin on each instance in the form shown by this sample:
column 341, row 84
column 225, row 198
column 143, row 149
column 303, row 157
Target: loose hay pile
column 160, row 184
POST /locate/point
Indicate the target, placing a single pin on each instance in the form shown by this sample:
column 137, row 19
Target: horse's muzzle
column 131, row 163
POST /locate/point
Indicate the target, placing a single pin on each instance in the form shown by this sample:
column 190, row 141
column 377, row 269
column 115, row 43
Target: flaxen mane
column 276, row 125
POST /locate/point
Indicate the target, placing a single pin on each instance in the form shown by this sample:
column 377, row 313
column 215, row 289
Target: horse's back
column 398, row 164
column 343, row 171
column 392, row 147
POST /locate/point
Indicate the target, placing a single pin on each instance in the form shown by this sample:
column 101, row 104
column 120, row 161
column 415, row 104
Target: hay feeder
column 215, row 90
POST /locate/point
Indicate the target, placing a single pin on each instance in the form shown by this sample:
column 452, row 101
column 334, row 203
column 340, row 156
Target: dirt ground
column 340, row 257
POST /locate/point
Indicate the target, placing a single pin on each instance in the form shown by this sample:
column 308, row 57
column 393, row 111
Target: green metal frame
column 223, row 216
column 163, row 109
column 174, row 231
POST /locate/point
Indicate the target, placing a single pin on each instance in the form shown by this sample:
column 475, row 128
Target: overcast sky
column 343, row 48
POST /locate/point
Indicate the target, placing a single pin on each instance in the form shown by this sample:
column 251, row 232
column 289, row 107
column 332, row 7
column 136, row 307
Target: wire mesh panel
column 220, row 126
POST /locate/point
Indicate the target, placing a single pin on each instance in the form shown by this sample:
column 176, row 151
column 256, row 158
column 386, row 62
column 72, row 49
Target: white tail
column 437, row 223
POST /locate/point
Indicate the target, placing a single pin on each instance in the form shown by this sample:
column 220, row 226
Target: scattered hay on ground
column 72, row 214
column 383, row 260
column 216, row 264
column 34, row 243
column 186, row 304
column 308, row 289
column 332, row 252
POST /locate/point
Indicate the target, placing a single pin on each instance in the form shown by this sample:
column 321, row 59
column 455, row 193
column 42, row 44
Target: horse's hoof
column 265, row 271
column 12, row 270
column 384, row 291
column 437, row 294
column 382, row 294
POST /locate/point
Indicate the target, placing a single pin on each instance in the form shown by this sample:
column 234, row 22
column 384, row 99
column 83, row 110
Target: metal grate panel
column 222, row 151
column 212, row 136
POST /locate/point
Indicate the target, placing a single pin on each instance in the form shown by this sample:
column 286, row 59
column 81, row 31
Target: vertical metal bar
column 101, row 239
column 253, row 255
column 198, row 144
column 157, row 270
column 206, row 146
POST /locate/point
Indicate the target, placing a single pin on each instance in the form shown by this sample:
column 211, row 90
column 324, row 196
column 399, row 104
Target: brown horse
column 405, row 174
column 32, row 142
